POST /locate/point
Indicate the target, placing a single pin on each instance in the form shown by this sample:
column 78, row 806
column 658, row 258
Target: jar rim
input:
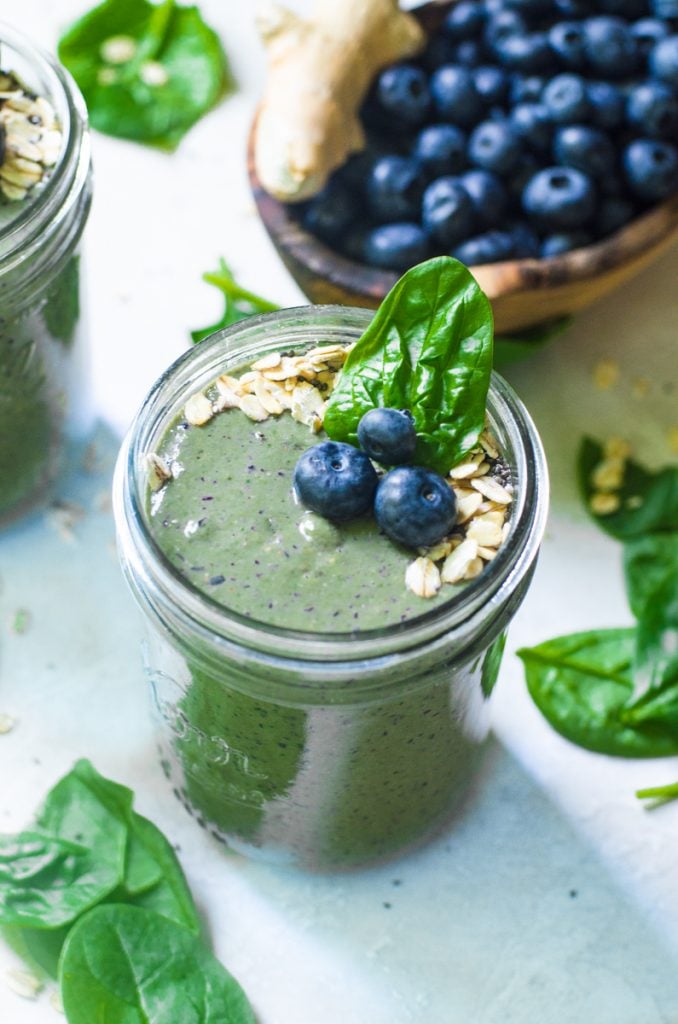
column 177, row 601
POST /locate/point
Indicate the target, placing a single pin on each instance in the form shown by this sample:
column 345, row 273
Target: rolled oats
column 422, row 577
column 198, row 410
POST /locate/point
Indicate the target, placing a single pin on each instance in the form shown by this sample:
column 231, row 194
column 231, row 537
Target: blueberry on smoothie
column 388, row 436
column 415, row 506
column 336, row 480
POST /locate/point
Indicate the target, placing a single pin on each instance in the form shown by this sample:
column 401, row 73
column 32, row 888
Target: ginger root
column 318, row 73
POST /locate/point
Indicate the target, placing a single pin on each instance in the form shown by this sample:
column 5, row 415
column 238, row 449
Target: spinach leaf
column 41, row 947
column 428, row 349
column 147, row 71
column 124, row 965
column 62, row 306
column 47, row 881
column 239, row 302
column 648, row 562
column 513, row 348
column 649, row 501
column 582, row 684
column 660, row 794
column 655, row 669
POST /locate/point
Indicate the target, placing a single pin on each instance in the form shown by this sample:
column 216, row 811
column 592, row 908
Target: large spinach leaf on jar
column 125, row 965
column 583, row 685
column 147, row 71
column 428, row 349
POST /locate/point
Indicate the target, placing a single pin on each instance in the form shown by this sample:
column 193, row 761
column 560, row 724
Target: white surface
column 483, row 925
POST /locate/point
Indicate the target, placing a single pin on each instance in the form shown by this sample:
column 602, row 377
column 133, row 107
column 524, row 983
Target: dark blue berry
column 330, row 213
column 505, row 23
column 526, row 89
column 469, row 53
column 566, row 99
column 525, row 53
column 651, row 168
column 610, row 47
column 336, row 480
column 566, row 241
column 532, row 123
column 647, row 32
column 440, row 149
column 567, row 42
column 494, row 146
column 439, row 50
column 455, row 96
column 573, row 8
column 352, row 244
column 628, row 9
column 491, row 84
column 465, row 20
column 664, row 9
column 606, row 103
column 612, row 214
column 588, row 149
column 559, row 197
column 490, row 247
column 403, row 93
column 388, row 436
column 396, row 246
column 414, row 506
column 652, row 108
column 394, row 189
column 664, row 60
column 529, row 8
column 525, row 240
column 488, row 196
column 447, row 211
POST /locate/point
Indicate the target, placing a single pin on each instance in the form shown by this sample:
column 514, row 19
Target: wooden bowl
column 523, row 292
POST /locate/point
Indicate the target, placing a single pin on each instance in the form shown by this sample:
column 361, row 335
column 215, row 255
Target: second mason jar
column 316, row 748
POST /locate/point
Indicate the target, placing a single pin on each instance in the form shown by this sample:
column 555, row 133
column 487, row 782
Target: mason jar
column 45, row 195
column 322, row 750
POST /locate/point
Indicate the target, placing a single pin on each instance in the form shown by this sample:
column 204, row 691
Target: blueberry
column 652, row 108
column 455, row 96
column 559, row 197
column 329, row 214
column 352, row 244
column 491, row 84
column 612, row 214
column 470, row 53
column 440, row 149
column 490, row 247
column 488, row 197
column 439, row 50
column 388, row 436
column 610, row 47
column 529, row 8
column 532, row 123
column 566, row 99
column 336, row 480
column 394, row 188
column 628, row 9
column 403, row 93
column 415, row 506
column 447, row 211
column 651, row 168
column 495, row 146
column 573, row 8
column 566, row 241
column 526, row 169
column 526, row 53
column 588, row 149
column 505, row 23
column 664, row 9
column 664, row 60
column 647, row 32
column 525, row 240
column 465, row 20
column 567, row 42
column 396, row 246
column 606, row 103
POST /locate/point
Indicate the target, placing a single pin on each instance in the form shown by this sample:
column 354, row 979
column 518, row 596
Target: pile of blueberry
column 412, row 505
column 527, row 128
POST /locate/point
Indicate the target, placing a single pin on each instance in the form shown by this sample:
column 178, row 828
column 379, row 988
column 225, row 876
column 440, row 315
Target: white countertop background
column 554, row 898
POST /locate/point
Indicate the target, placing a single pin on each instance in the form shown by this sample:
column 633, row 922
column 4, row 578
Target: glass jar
column 320, row 750
column 43, row 397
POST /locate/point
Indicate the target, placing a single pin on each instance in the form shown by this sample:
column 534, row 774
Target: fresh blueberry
column 352, row 244
column 526, row 88
column 573, row 8
column 329, row 214
column 565, row 241
column 610, row 47
column 566, row 99
column 396, row 246
column 440, row 149
column 505, row 23
column 415, row 506
column 491, row 84
column 606, row 104
column 612, row 214
column 652, row 108
column 394, row 189
column 465, row 20
column 455, row 96
column 494, row 146
column 664, row 9
column 490, row 247
column 567, row 42
column 588, row 149
column 447, row 211
column 488, row 196
column 439, row 50
column 526, row 169
column 651, row 168
column 527, row 53
column 532, row 123
column 628, row 9
column 559, row 197
column 388, row 436
column 530, row 9
column 647, row 32
column 469, row 54
column 664, row 60
column 336, row 480
column 403, row 93
column 525, row 240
